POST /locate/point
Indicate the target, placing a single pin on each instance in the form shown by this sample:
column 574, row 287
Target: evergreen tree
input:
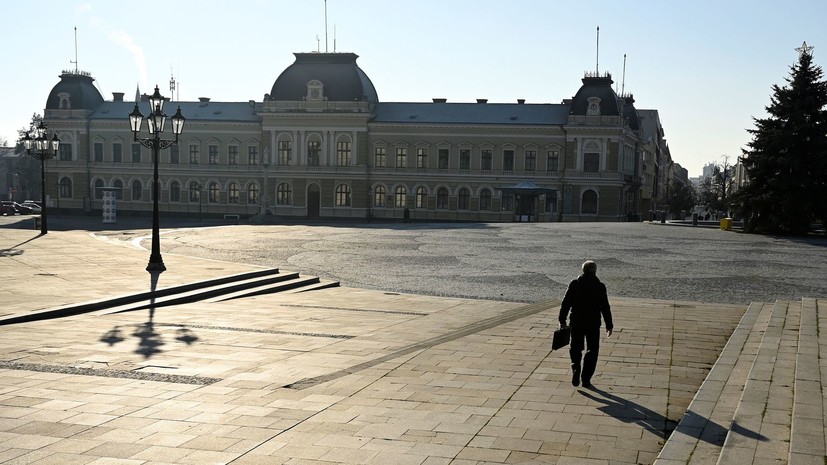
column 786, row 163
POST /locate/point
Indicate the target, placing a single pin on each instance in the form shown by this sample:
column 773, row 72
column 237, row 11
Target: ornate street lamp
column 41, row 147
column 155, row 124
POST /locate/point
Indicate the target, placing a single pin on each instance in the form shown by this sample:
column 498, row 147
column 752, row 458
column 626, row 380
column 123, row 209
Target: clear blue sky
column 707, row 66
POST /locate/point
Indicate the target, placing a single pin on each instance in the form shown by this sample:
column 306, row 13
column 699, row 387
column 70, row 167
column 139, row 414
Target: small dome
column 324, row 76
column 630, row 112
column 75, row 91
column 596, row 87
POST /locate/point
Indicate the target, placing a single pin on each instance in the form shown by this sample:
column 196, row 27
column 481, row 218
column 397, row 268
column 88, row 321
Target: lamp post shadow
column 150, row 341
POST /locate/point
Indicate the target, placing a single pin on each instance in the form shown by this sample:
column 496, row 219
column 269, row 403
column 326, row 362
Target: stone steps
column 763, row 401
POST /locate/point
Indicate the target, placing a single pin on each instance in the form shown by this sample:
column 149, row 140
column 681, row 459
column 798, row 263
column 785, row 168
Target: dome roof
column 601, row 88
column 75, row 91
column 340, row 77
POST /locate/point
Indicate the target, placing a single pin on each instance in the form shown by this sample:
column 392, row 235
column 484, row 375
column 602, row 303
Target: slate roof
column 472, row 113
column 342, row 78
column 192, row 111
column 83, row 95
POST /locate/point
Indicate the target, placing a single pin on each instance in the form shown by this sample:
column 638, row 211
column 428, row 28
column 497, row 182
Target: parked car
column 7, row 208
column 33, row 205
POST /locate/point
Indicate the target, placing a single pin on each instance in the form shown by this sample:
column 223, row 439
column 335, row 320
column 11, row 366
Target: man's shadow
column 630, row 412
column 14, row 250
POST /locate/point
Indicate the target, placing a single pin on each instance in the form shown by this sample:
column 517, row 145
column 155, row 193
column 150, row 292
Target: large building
column 320, row 144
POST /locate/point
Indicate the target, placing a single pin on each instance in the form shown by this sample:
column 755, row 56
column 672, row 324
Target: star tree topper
column 804, row 50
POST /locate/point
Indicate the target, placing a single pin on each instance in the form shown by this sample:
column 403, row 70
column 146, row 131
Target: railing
column 278, row 106
column 596, row 120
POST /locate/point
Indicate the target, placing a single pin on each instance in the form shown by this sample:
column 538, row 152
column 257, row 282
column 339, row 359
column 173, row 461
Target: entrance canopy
column 527, row 188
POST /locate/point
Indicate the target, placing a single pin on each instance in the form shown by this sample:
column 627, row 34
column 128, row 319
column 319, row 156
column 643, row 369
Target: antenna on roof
column 172, row 84
column 334, row 38
column 325, row 26
column 318, row 44
column 597, row 58
column 623, row 87
column 76, row 51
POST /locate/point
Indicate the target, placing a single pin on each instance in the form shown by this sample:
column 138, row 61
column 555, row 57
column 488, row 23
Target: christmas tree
column 786, row 161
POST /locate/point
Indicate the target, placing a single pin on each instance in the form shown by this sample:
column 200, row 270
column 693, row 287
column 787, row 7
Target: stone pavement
column 337, row 376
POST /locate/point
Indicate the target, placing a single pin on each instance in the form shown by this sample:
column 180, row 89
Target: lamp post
column 42, row 148
column 155, row 124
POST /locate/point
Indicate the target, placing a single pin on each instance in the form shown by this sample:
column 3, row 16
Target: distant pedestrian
column 587, row 299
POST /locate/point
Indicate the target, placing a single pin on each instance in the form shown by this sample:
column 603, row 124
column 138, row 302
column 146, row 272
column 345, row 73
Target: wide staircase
column 764, row 401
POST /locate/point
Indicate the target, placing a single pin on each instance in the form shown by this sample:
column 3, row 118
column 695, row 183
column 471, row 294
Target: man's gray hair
column 589, row 267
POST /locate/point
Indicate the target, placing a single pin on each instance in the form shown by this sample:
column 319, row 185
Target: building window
column 379, row 157
column 401, row 157
column 252, row 193
column 98, row 149
column 588, row 203
column 463, row 199
column 530, row 160
column 508, row 160
column 553, row 160
column 174, row 154
column 487, row 159
column 99, row 189
column 442, row 198
column 485, row 199
column 421, row 197
column 65, row 188
column 285, row 152
column 232, row 193
column 284, row 195
column 343, row 154
column 213, row 193
column 551, row 202
column 212, row 152
column 195, row 154
column 421, row 157
column 136, row 153
column 314, row 152
column 444, row 158
column 379, row 196
column 174, row 191
column 342, row 195
column 506, row 202
column 252, row 155
column 65, row 153
column 400, row 198
column 137, row 190
column 118, row 185
column 117, row 153
column 195, row 192
column 591, row 162
column 315, row 90
column 465, row 159
column 232, row 155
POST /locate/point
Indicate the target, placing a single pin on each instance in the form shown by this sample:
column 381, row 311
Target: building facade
column 321, row 144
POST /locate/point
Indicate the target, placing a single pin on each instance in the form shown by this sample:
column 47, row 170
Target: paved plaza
column 435, row 349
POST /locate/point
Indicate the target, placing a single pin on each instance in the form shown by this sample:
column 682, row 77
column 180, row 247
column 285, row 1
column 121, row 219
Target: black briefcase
column 561, row 338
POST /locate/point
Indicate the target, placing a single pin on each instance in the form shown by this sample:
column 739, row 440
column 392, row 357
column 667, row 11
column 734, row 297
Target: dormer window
column 315, row 90
column 593, row 108
column 64, row 101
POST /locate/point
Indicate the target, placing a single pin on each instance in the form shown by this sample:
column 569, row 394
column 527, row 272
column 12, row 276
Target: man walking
column 587, row 299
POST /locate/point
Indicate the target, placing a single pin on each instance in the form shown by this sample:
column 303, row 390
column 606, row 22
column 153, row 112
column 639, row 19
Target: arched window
column 252, row 193
column 506, row 202
column 401, row 197
column 551, row 202
column 314, row 152
column 214, row 193
column 174, row 191
column 195, row 192
column 379, row 196
column 463, row 199
column 137, row 190
column 284, row 195
column 65, row 188
column 343, row 153
column 118, row 184
column 315, row 90
column 442, row 198
column 588, row 203
column 99, row 189
column 342, row 195
column 232, row 193
column 421, row 197
column 485, row 199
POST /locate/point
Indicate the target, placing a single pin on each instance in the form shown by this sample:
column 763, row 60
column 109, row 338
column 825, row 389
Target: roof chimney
column 117, row 96
column 440, row 100
column 520, row 101
column 482, row 100
column 203, row 99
